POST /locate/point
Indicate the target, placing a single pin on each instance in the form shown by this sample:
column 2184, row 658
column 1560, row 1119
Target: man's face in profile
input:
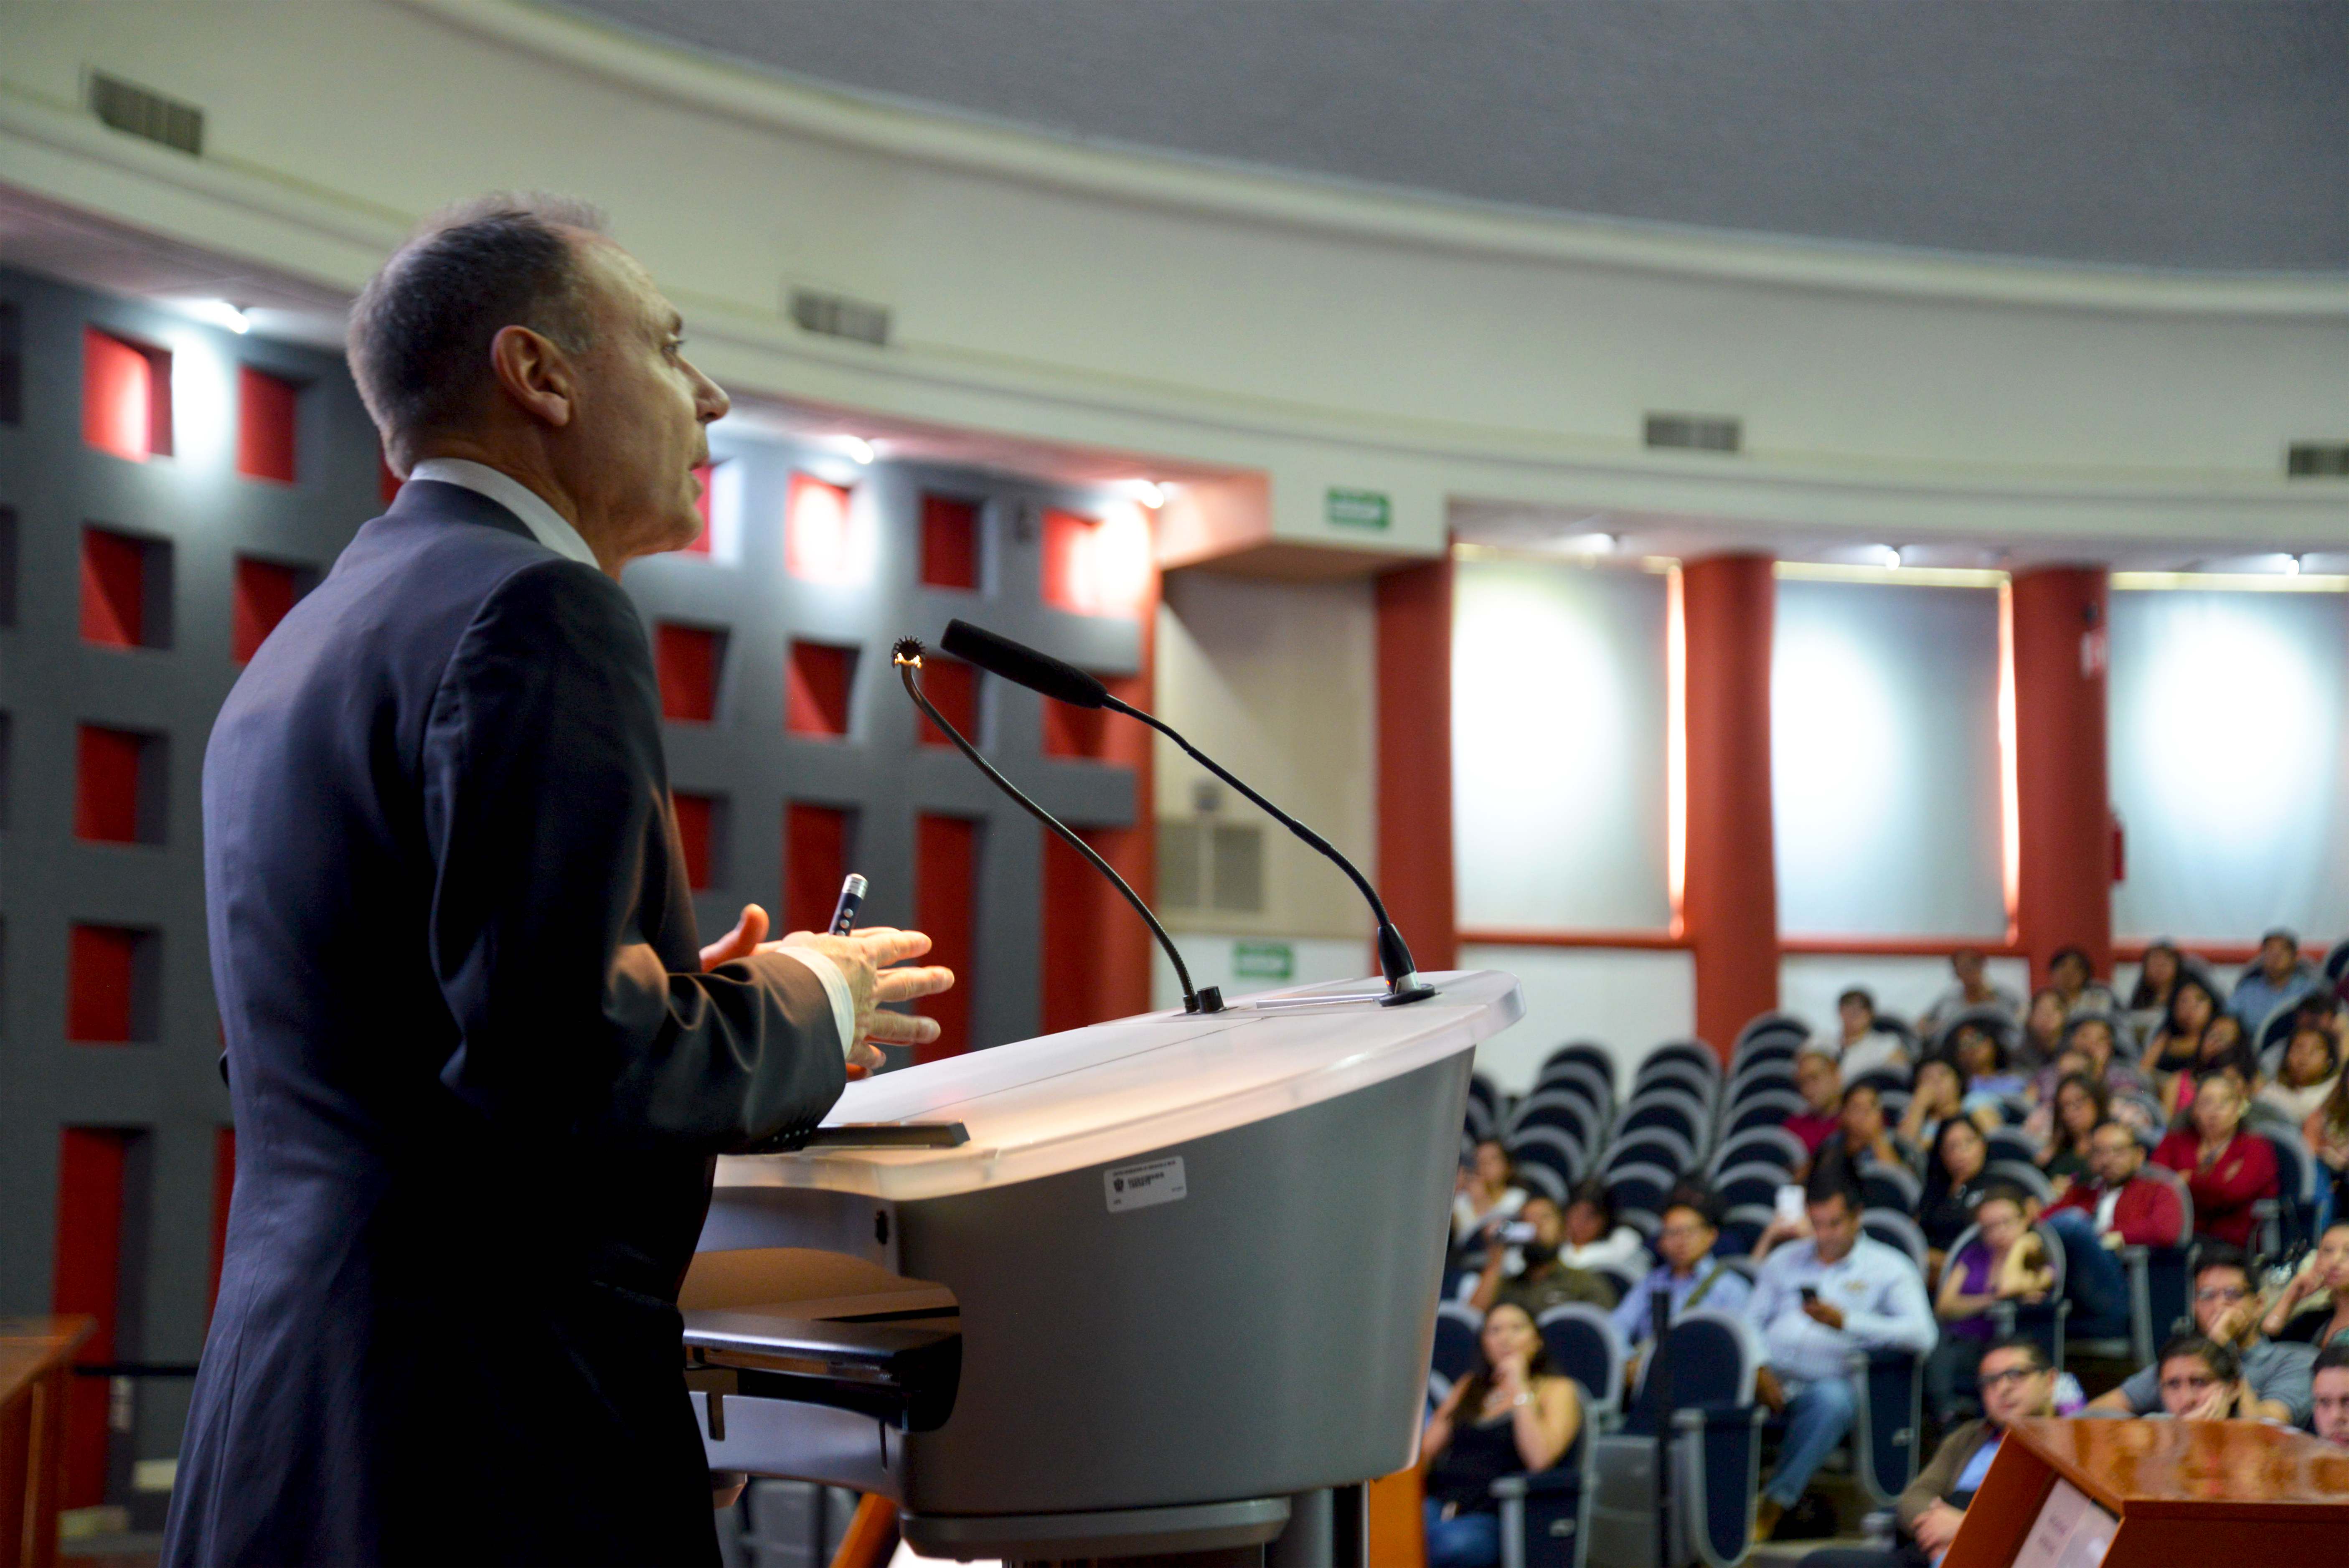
column 2333, row 1405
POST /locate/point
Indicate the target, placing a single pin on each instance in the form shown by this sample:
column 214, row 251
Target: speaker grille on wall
column 1694, row 432
column 149, row 114
column 837, row 315
column 2317, row 461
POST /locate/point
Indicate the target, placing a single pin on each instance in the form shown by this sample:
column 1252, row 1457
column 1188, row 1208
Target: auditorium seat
column 1546, row 1515
column 1588, row 1054
column 1652, row 1146
column 1767, row 1107
column 1715, row 1428
column 1583, row 1344
column 1773, row 1144
column 1897, row 1228
column 1893, row 1187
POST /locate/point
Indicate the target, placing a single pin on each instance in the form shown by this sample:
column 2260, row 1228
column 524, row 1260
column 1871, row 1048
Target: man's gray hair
column 420, row 333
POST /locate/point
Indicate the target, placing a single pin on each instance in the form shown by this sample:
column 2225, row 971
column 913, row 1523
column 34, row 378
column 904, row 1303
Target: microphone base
column 1406, row 996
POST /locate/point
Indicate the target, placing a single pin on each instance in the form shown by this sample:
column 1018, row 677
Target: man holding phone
column 1815, row 1302
column 1530, row 1243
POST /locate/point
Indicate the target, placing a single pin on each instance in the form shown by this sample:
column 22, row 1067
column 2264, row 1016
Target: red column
column 1730, row 901
column 2063, row 896
column 1414, row 745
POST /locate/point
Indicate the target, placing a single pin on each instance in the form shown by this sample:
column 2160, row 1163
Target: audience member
column 1864, row 1046
column 2281, row 976
column 2306, row 1078
column 1992, row 1084
column 2114, row 1203
column 1815, row 1302
column 1537, row 1278
column 2155, row 975
column 2275, row 1376
column 1819, row 1083
column 2003, row 1261
column 2225, row 1049
column 2074, row 980
column 1972, row 987
column 2227, row 1169
column 1593, row 1239
column 1861, row 1134
column 2178, row 1042
column 1485, row 1194
column 2080, row 1104
column 2329, row 1406
column 2015, row 1383
column 1512, row 1415
column 2326, row 1133
column 2043, row 1027
column 1953, row 1182
column 1933, row 1099
column 2129, row 1092
column 1690, row 1276
column 2313, row 1308
column 2202, row 1380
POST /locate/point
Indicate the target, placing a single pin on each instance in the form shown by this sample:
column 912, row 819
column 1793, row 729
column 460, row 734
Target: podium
column 1156, row 1285
column 2154, row 1494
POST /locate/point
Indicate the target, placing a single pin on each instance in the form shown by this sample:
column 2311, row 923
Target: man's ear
column 534, row 374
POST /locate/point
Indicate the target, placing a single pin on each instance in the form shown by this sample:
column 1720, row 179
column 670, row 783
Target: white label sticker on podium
column 1140, row 1186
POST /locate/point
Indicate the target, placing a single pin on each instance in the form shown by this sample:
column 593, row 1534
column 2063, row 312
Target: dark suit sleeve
column 547, row 822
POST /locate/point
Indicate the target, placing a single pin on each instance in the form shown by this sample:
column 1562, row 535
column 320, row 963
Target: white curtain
column 1885, row 760
column 2226, row 761
column 1557, row 747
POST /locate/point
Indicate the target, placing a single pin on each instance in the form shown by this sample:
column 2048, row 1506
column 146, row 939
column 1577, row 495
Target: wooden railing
column 36, row 1362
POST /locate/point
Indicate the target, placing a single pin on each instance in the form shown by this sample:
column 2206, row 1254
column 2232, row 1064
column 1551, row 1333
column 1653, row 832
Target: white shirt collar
column 545, row 524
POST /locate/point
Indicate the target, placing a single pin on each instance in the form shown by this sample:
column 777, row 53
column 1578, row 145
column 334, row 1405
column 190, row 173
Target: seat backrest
column 1536, row 1177
column 1883, row 1081
column 1590, row 1054
column 1457, row 1327
column 1697, row 1053
column 1669, row 1115
column 1763, row 1143
column 2295, row 1166
column 1715, row 1357
column 1476, row 1118
column 1676, row 1077
column 1741, row 1227
column 1756, row 1183
column 2177, row 1184
column 1886, row 1186
column 1583, row 1344
column 1580, row 1080
column 1652, row 1146
column 1640, row 1188
column 1768, row 1107
column 1767, row 1027
column 1481, row 1088
column 1895, row 1229
column 2337, row 960
column 1553, row 1146
column 2023, row 1174
column 1558, row 1108
column 2006, row 1143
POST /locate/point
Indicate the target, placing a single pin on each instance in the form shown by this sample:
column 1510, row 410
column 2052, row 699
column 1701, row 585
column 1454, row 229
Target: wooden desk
column 2183, row 1492
column 36, row 1361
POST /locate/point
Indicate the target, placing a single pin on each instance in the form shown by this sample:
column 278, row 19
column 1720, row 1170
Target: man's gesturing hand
column 864, row 957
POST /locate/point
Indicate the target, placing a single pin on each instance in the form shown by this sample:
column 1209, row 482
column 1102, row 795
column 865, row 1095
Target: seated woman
column 2080, row 1103
column 1861, row 1134
column 1486, row 1196
column 1990, row 1083
column 2178, row 1039
column 1932, row 1100
column 2310, row 1067
column 2326, row 1133
column 2157, row 977
column 2005, row 1260
column 2225, row 1169
column 2043, row 1027
column 2315, row 1306
column 1954, row 1184
column 1593, row 1239
column 1512, row 1415
column 2225, row 1048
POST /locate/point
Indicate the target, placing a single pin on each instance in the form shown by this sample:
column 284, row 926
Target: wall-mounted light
column 1888, row 556
column 2291, row 565
column 1591, row 543
column 221, row 313
column 1146, row 493
column 857, row 447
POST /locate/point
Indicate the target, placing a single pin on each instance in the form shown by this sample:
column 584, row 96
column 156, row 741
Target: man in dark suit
column 480, row 1063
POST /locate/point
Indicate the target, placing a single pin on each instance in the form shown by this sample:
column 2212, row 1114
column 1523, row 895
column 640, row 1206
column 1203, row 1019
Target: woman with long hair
column 2225, row 1169
column 2326, row 1133
column 2307, row 1076
column 2225, row 1048
column 2043, row 1027
column 1512, row 1415
column 2157, row 977
column 1953, row 1182
column 2315, row 1306
column 2080, row 1102
column 2192, row 1004
column 1933, row 1099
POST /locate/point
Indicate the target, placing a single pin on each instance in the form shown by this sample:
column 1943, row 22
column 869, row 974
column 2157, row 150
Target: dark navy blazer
column 478, row 1077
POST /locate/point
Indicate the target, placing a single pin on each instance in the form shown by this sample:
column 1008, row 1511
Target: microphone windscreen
column 1022, row 666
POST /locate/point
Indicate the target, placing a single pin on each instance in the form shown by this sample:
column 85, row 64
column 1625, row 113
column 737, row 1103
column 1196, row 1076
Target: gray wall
column 50, row 681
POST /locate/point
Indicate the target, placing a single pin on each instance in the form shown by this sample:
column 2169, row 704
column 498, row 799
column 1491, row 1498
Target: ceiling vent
column 1694, row 432
column 837, row 315
column 2317, row 461
column 145, row 114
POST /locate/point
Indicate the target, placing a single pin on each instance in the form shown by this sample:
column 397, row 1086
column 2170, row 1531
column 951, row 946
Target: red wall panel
column 946, row 862
column 224, row 1189
column 1079, row 732
column 105, row 785
column 953, row 690
column 696, row 817
column 101, row 974
column 113, row 588
column 949, row 541
column 92, row 1168
column 265, row 413
column 387, row 483
column 265, row 592
column 815, row 862
column 687, row 660
column 126, row 396
column 816, row 688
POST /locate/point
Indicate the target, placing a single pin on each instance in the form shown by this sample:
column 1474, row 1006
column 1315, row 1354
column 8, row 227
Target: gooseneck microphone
column 1041, row 672
column 907, row 656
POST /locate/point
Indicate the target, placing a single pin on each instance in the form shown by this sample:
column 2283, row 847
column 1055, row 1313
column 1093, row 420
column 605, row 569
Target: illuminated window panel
column 126, row 396
column 112, row 978
column 1098, row 566
column 825, row 540
column 953, row 690
column 688, row 661
column 126, row 590
column 949, row 541
column 817, row 843
column 265, row 592
column 266, row 410
column 816, row 689
column 701, row 833
column 120, row 786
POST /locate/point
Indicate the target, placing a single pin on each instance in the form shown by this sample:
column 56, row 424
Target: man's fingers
column 886, row 945
column 748, row 931
column 901, row 1029
column 904, row 985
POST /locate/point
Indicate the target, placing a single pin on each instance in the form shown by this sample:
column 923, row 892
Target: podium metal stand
column 1176, row 1288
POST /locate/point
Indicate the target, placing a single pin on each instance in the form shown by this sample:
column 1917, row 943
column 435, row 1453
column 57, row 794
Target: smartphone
column 1810, row 1293
column 1790, row 1203
column 1516, row 1233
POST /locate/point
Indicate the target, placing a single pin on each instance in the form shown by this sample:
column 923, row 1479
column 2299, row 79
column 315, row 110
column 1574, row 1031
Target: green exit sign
column 1263, row 961
column 1358, row 508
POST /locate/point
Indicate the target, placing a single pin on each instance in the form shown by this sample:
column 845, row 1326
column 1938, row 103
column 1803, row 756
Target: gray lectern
column 1177, row 1272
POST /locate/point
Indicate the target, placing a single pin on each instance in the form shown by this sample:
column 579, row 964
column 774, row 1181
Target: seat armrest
column 1552, row 1483
column 1704, row 1417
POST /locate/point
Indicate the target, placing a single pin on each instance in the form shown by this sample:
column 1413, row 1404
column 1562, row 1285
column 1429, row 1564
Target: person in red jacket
column 2225, row 1169
column 2123, row 1207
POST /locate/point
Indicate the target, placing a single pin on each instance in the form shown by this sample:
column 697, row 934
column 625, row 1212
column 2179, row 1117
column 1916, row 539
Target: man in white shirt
column 1813, row 1305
